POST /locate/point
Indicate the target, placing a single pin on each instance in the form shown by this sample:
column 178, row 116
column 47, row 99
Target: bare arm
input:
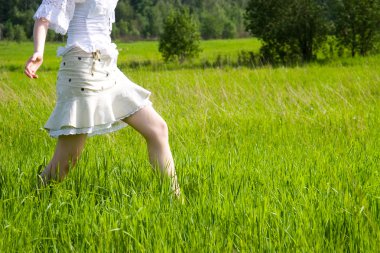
column 39, row 34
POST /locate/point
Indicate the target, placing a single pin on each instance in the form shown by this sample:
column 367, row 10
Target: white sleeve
column 58, row 13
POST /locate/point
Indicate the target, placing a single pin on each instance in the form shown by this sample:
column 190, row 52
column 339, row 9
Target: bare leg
column 66, row 155
column 155, row 131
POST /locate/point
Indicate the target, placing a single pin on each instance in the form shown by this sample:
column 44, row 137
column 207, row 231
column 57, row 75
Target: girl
column 93, row 95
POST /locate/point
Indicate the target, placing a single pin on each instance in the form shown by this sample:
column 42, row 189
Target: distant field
column 269, row 159
column 138, row 52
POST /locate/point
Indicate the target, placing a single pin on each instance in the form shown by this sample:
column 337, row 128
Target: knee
column 158, row 131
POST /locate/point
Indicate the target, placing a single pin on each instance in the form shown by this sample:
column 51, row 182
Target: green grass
column 269, row 159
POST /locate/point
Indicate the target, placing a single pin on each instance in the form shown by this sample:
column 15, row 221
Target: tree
column 180, row 38
column 9, row 31
column 213, row 19
column 229, row 30
column 212, row 26
column 140, row 19
column 1, row 31
column 290, row 29
column 357, row 24
column 19, row 33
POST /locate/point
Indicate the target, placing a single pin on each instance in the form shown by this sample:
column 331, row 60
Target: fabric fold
column 93, row 96
column 59, row 14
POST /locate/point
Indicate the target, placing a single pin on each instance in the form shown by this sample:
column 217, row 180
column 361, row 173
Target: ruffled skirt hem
column 98, row 129
column 93, row 96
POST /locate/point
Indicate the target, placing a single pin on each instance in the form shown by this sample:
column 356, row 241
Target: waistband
column 93, row 58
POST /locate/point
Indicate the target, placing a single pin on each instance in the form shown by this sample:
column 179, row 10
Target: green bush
column 180, row 39
column 19, row 33
column 290, row 30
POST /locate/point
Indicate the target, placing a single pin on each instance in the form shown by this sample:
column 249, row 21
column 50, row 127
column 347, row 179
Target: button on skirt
column 93, row 96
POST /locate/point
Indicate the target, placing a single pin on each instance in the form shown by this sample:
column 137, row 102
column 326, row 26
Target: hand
column 33, row 64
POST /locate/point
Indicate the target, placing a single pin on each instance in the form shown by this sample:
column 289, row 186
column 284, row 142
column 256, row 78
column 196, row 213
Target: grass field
column 269, row 160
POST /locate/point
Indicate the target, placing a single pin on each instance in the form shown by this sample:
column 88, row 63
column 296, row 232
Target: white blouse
column 88, row 23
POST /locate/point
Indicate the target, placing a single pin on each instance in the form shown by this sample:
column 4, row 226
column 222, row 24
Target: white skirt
column 93, row 96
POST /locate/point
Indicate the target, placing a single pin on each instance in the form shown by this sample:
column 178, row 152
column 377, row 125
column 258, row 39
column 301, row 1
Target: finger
column 27, row 73
column 30, row 73
column 34, row 71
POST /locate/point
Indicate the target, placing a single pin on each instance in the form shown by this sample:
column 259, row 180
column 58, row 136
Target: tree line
column 137, row 19
column 294, row 30
column 291, row 30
